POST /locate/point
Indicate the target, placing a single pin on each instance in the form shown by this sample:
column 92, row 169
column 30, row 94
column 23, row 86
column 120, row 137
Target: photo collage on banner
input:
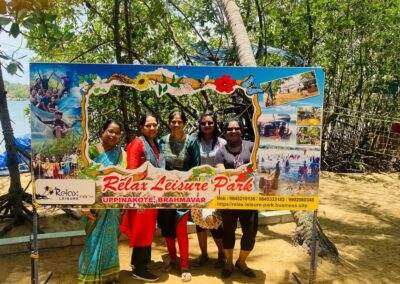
column 289, row 153
column 277, row 113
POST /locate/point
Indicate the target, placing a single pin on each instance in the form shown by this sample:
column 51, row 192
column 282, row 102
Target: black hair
column 180, row 113
column 234, row 119
column 107, row 124
column 142, row 120
column 216, row 132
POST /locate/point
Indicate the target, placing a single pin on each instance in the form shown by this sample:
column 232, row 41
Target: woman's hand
column 220, row 168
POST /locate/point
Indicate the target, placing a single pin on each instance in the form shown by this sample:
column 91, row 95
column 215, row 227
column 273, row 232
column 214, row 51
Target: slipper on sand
column 245, row 271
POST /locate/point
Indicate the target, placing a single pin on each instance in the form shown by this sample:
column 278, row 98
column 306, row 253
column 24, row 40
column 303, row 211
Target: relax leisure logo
column 59, row 191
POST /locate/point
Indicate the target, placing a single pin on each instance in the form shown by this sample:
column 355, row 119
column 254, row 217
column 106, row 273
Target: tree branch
column 117, row 35
column 310, row 34
column 154, row 111
column 128, row 30
column 109, row 25
column 212, row 56
column 89, row 50
column 261, row 41
column 187, row 109
column 168, row 29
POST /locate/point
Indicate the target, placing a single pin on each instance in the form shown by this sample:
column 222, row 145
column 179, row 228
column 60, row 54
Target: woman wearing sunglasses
column 234, row 154
column 210, row 143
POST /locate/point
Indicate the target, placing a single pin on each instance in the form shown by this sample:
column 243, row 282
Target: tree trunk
column 240, row 37
column 11, row 203
column 246, row 58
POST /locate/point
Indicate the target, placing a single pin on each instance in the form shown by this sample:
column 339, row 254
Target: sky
column 9, row 44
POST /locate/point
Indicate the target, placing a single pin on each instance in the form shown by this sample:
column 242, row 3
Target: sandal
column 245, row 271
column 186, row 276
column 227, row 271
column 169, row 266
column 220, row 263
column 201, row 260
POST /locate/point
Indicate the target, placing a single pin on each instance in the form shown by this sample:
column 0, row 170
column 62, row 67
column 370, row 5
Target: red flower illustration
column 249, row 169
column 245, row 174
column 242, row 177
column 224, row 84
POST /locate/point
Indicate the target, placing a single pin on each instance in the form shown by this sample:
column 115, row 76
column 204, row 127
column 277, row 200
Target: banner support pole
column 34, row 248
column 314, row 250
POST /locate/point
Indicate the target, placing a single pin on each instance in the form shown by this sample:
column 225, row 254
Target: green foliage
column 147, row 102
column 53, row 147
column 27, row 113
column 14, row 30
column 87, row 78
column 89, row 172
column 16, row 91
column 362, row 167
column 12, row 68
column 23, row 15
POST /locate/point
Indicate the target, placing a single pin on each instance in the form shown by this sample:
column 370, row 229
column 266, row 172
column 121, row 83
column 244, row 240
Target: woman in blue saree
column 99, row 261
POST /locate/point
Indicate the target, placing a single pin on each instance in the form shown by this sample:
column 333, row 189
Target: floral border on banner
column 162, row 81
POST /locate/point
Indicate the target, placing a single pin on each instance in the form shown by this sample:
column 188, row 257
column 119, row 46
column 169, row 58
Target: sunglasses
column 233, row 128
column 210, row 123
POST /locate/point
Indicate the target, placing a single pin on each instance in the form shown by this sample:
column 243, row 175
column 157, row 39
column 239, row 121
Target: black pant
column 249, row 223
column 215, row 233
column 141, row 256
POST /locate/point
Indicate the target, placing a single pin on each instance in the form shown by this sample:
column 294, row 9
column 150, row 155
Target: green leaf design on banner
column 159, row 89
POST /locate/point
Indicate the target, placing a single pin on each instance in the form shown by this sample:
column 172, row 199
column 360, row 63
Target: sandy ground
column 50, row 220
column 309, row 121
column 359, row 212
column 282, row 98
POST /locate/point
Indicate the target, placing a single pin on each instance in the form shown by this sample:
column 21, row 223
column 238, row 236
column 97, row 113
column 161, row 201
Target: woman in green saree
column 99, row 261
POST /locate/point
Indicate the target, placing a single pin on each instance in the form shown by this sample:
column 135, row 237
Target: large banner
column 218, row 137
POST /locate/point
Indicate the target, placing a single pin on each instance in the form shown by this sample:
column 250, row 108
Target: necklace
column 235, row 151
column 177, row 146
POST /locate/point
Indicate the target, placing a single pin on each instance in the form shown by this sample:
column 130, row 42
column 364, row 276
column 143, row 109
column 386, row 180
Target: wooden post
column 34, row 248
column 314, row 252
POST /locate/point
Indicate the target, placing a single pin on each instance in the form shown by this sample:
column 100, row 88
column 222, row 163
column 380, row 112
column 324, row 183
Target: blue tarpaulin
column 23, row 143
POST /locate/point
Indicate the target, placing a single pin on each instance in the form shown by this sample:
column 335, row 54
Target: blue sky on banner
column 260, row 74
